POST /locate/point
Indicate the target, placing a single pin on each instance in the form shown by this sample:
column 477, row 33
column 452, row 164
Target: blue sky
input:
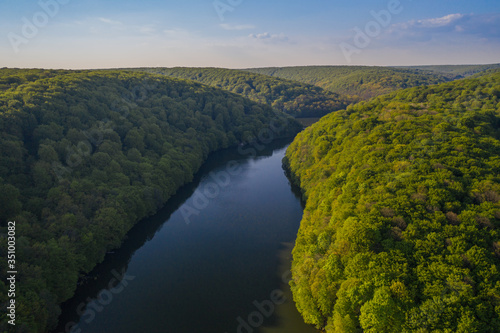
column 247, row 33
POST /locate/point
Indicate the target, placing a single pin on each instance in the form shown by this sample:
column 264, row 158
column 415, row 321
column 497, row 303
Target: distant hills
column 294, row 90
column 403, row 195
column 455, row 71
column 357, row 82
column 291, row 97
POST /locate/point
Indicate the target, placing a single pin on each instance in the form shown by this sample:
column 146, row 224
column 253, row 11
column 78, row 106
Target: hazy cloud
column 109, row 21
column 176, row 33
column 226, row 26
column 481, row 26
column 438, row 22
column 147, row 29
column 266, row 36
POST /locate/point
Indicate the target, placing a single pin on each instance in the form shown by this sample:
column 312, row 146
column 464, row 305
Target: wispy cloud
column 147, row 29
column 176, row 32
column 266, row 36
column 109, row 21
column 442, row 28
column 438, row 22
column 226, row 26
column 483, row 26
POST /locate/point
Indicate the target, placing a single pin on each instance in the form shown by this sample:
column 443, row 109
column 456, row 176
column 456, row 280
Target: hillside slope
column 401, row 230
column 358, row 82
column 86, row 155
column 455, row 71
column 294, row 98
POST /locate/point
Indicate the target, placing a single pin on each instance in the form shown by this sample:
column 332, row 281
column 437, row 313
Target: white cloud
column 147, row 29
column 485, row 24
column 438, row 22
column 444, row 29
column 266, row 36
column 177, row 33
column 226, row 26
column 424, row 29
column 109, row 21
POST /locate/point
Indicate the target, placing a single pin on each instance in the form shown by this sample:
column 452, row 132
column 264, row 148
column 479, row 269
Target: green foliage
column 293, row 98
column 357, row 82
column 456, row 71
column 401, row 227
column 87, row 154
column 11, row 78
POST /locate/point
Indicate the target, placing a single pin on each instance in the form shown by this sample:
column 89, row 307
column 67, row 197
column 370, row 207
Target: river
column 214, row 260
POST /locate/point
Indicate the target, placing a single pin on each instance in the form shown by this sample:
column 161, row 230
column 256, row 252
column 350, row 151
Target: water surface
column 211, row 261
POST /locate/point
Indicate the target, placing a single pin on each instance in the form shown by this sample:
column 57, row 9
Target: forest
column 401, row 227
column 456, row 71
column 356, row 82
column 85, row 155
column 291, row 97
column 401, row 191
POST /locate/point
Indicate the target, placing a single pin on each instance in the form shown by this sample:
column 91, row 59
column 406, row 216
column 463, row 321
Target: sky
column 84, row 34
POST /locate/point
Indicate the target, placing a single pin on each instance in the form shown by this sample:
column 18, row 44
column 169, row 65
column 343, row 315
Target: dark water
column 213, row 260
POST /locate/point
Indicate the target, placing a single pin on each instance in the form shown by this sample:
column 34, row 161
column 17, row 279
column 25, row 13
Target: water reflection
column 201, row 276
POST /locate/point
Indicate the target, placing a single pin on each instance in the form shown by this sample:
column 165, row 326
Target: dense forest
column 294, row 98
column 357, row 82
column 455, row 71
column 401, row 227
column 11, row 78
column 87, row 154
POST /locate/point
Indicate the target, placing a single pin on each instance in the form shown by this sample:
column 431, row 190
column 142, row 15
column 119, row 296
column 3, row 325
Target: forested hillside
column 85, row 155
column 294, row 98
column 456, row 71
column 401, row 227
column 10, row 78
column 358, row 82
